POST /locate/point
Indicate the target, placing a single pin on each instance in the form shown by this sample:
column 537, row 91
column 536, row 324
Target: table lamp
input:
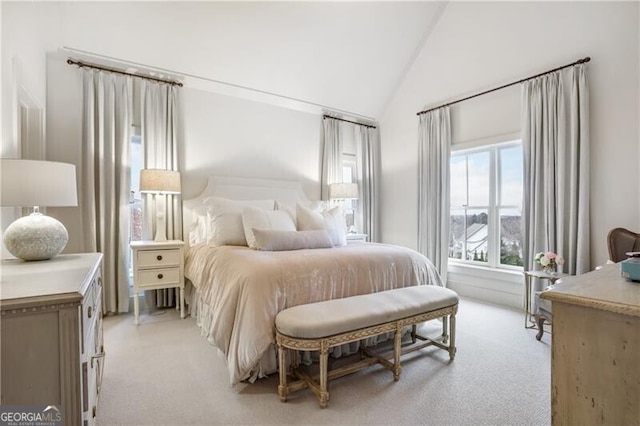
column 31, row 183
column 160, row 182
column 345, row 191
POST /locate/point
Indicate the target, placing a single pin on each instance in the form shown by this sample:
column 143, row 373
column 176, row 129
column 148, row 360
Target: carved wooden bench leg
column 282, row 366
column 323, row 397
column 445, row 330
column 397, row 351
column 452, row 337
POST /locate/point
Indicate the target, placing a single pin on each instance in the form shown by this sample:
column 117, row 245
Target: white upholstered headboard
column 287, row 192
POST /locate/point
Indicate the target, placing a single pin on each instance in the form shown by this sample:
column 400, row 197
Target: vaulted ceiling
column 345, row 56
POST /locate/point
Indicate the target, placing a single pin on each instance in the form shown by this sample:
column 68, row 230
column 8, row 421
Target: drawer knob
column 160, row 276
column 159, row 257
column 89, row 311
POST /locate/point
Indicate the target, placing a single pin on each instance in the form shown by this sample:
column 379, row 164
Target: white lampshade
column 343, row 190
column 160, row 181
column 28, row 183
column 36, row 184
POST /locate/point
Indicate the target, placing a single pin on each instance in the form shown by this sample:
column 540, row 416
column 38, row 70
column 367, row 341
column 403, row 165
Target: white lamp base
column 161, row 233
column 35, row 237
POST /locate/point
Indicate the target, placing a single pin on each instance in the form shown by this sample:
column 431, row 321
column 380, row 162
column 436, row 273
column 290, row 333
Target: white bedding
column 239, row 291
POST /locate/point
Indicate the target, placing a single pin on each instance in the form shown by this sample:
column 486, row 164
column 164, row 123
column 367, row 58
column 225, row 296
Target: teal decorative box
column 630, row 269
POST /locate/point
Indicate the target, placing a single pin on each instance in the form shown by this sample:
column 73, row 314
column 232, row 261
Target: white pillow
column 253, row 217
column 316, row 206
column 331, row 220
column 225, row 220
column 270, row 240
column 198, row 232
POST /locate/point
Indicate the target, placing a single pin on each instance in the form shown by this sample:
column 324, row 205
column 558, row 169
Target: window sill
column 486, row 272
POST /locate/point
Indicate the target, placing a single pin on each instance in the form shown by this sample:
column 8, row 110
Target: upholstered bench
column 323, row 325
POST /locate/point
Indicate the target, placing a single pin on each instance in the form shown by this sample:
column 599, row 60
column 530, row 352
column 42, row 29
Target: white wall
column 228, row 136
column 476, row 46
column 30, row 32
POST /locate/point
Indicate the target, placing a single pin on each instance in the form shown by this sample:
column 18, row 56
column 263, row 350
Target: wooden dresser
column 51, row 324
column 595, row 372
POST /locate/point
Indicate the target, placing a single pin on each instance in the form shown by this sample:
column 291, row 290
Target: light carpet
column 163, row 372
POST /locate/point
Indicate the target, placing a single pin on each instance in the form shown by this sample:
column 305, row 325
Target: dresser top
column 66, row 274
column 602, row 289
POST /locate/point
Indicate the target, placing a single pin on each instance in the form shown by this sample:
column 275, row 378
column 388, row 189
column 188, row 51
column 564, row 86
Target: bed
column 236, row 291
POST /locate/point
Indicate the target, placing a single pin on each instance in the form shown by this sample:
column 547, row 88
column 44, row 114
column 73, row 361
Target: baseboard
column 487, row 295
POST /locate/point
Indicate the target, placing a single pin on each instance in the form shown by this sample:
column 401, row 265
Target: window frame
column 493, row 146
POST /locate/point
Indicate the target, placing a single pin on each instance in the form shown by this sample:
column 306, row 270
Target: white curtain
column 104, row 198
column 331, row 155
column 368, row 158
column 555, row 131
column 160, row 147
column 434, row 148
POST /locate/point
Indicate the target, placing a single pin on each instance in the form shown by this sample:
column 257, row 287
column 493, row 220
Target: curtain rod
column 578, row 62
column 349, row 121
column 117, row 71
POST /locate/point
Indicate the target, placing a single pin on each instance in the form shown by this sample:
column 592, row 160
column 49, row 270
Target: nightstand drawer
column 159, row 276
column 153, row 258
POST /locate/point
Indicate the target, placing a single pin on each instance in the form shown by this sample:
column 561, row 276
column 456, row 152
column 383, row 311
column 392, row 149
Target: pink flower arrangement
column 548, row 261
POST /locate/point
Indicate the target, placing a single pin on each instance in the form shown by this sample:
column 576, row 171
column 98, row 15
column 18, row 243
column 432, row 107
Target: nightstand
column 157, row 265
column 528, row 276
column 356, row 237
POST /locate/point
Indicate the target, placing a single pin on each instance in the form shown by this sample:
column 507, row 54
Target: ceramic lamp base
column 35, row 237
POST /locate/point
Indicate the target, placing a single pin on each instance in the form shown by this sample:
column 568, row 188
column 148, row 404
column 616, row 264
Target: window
column 486, row 200
column 349, row 176
column 135, row 199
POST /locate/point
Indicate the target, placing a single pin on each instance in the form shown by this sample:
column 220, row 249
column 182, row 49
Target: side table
column 157, row 265
column 528, row 277
column 351, row 237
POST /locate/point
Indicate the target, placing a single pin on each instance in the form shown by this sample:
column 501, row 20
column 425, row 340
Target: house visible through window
column 486, row 200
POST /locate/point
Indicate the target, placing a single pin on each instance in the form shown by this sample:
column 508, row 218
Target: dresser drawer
column 159, row 258
column 158, row 277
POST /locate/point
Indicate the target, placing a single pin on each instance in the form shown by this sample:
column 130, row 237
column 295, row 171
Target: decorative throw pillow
column 270, row 240
column 331, row 220
column 277, row 220
column 316, row 206
column 225, row 220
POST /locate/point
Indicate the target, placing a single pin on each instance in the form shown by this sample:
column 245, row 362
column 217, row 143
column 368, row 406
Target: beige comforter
column 239, row 291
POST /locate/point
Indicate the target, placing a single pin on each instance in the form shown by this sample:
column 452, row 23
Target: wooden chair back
column 620, row 241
